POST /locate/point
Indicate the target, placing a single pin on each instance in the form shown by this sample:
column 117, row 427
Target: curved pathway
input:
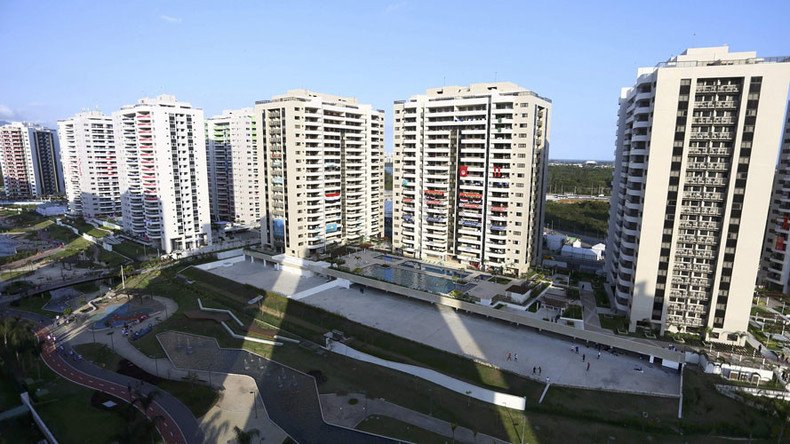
column 178, row 425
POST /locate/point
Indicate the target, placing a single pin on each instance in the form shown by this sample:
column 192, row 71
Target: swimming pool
column 435, row 269
column 388, row 258
column 414, row 279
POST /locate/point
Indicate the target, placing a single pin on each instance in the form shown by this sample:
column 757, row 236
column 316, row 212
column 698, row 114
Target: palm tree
column 245, row 437
column 145, row 400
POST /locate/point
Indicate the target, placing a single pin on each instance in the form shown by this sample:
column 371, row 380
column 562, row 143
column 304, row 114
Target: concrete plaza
column 479, row 338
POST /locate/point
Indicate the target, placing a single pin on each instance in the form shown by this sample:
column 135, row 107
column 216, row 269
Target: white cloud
column 170, row 19
column 6, row 112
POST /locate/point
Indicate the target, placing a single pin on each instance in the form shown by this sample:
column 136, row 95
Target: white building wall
column 164, row 185
column 90, row 165
column 684, row 252
column 324, row 171
column 470, row 175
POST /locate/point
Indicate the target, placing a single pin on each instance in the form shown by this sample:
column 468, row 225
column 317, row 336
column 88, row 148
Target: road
column 177, row 426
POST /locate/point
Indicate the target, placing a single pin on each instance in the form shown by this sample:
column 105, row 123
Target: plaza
column 475, row 337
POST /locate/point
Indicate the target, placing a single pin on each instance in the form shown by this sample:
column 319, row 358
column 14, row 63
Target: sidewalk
column 229, row 411
column 337, row 410
column 591, row 320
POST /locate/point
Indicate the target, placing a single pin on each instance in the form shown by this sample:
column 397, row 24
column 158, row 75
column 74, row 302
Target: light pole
column 112, row 341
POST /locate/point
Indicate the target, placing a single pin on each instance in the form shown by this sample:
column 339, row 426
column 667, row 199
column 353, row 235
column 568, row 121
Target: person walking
column 534, row 370
column 588, row 366
column 577, row 349
column 599, row 355
column 540, row 370
column 509, row 356
column 515, row 357
column 584, row 357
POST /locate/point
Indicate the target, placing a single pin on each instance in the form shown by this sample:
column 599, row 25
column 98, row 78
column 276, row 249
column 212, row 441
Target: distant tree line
column 585, row 217
column 580, row 180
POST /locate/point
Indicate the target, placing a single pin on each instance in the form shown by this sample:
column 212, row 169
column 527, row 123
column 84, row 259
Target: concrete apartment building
column 775, row 268
column 235, row 164
column 470, row 167
column 324, row 171
column 161, row 148
column 90, row 165
column 30, row 161
column 697, row 144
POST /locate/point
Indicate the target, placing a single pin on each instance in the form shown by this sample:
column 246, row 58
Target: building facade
column 775, row 268
column 324, row 171
column 234, row 168
column 470, row 167
column 697, row 144
column 161, row 148
column 30, row 161
column 90, row 165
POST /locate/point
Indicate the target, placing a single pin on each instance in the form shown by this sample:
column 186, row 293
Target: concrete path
column 218, row 422
column 591, row 320
column 177, row 425
column 456, row 385
column 338, row 411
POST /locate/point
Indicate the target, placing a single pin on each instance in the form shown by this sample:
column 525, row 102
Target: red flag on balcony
column 463, row 171
column 786, row 224
column 497, row 171
column 780, row 243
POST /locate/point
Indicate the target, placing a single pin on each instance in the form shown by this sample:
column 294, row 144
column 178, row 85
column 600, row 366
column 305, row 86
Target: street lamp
column 112, row 341
column 254, row 403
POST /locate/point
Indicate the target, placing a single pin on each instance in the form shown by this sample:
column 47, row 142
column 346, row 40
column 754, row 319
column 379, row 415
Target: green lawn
column 577, row 413
column 132, row 249
column 383, row 425
column 197, row 397
column 34, row 304
column 613, row 323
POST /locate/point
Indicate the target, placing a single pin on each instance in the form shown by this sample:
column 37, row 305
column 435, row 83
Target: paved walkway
column 178, row 425
column 217, row 424
column 489, row 341
column 591, row 320
column 337, row 410
column 14, row 412
column 290, row 396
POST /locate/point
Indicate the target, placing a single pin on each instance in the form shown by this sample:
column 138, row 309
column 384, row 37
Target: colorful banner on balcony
column 463, row 171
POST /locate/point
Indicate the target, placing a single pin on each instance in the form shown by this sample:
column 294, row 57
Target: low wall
column 221, row 263
column 40, row 422
column 464, row 388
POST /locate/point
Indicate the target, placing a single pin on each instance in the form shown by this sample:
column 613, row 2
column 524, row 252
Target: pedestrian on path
column 515, row 357
column 534, row 369
column 588, row 366
column 584, row 357
column 540, row 370
column 509, row 356
column 548, row 380
column 577, row 349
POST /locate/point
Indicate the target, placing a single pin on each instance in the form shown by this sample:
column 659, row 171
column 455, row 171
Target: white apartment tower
column 30, row 161
column 164, row 185
column 324, row 170
column 470, row 175
column 235, row 164
column 90, row 165
column 775, row 269
column 697, row 144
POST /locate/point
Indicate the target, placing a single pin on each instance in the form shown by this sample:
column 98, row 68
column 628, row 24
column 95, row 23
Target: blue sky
column 60, row 57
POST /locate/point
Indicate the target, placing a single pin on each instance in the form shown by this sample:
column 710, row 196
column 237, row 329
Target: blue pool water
column 388, row 258
column 413, row 279
column 434, row 269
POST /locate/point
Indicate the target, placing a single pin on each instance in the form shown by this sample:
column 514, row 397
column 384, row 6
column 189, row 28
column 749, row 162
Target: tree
column 245, row 437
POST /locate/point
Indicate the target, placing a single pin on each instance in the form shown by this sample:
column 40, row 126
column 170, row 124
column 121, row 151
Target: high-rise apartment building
column 470, row 175
column 90, row 165
column 324, row 171
column 235, row 166
column 697, row 145
column 161, row 148
column 30, row 161
column 775, row 269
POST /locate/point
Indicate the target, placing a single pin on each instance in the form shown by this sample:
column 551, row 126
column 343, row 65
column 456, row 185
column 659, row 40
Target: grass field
column 576, row 413
column 198, row 398
column 383, row 425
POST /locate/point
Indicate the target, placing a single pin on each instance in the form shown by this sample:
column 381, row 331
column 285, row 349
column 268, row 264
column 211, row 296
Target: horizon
column 219, row 58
